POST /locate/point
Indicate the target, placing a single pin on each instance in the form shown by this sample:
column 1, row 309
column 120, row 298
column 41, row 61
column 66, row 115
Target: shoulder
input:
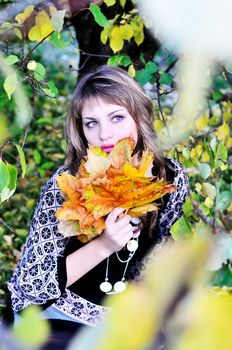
column 172, row 210
column 50, row 193
column 176, row 173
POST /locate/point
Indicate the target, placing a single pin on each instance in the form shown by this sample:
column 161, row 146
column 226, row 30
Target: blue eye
column 118, row 117
column 91, row 124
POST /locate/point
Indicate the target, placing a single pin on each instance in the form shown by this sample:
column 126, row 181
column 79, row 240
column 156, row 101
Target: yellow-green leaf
column 223, row 132
column 109, row 2
column 126, row 31
column 139, row 37
column 122, row 3
column 22, row 159
column 58, row 20
column 31, row 65
column 18, row 33
column 39, row 328
column 21, row 17
column 209, row 202
column 202, row 122
column 131, row 71
column 116, row 40
column 105, row 34
column 10, row 84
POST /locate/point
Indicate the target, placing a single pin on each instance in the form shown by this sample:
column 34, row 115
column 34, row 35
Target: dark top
column 40, row 276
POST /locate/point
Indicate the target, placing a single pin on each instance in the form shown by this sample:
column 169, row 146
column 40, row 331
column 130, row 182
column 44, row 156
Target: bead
column 105, row 287
column 119, row 286
column 132, row 245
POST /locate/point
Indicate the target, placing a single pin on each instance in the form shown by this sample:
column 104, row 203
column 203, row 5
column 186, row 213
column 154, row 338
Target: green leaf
column 188, row 207
column 47, row 165
column 98, row 15
column 10, row 84
column 181, row 229
column 39, row 72
column 209, row 190
column 221, row 278
column 13, row 171
column 116, row 60
column 122, row 3
column 217, row 96
column 37, row 156
column 11, row 59
column 151, row 67
column 204, row 170
column 143, row 76
column 220, row 154
column 166, row 78
column 58, row 20
column 53, row 87
column 4, row 175
column 57, row 41
column 22, row 159
column 223, row 200
column 44, row 121
column 213, row 144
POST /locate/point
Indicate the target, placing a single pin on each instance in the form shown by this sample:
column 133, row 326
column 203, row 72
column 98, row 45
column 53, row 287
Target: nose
column 105, row 132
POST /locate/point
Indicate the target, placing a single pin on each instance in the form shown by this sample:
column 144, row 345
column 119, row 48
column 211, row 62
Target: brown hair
column 113, row 85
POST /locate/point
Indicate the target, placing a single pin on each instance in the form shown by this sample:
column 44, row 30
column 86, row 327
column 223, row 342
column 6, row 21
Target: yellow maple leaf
column 69, row 185
column 141, row 210
column 121, row 152
column 21, row 17
column 97, row 162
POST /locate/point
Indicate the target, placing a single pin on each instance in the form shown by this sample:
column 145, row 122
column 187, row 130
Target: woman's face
column 104, row 124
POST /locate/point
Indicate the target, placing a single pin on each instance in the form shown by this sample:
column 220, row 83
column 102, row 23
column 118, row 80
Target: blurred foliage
column 44, row 55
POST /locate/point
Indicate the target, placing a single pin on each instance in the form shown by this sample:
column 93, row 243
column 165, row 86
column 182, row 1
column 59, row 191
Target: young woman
column 67, row 278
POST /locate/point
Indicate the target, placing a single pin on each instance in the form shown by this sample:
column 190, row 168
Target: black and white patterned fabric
column 173, row 209
column 35, row 279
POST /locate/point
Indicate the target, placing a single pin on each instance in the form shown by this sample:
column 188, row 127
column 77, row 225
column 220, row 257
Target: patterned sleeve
column 173, row 210
column 35, row 279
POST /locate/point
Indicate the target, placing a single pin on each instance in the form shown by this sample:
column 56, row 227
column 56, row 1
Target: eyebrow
column 116, row 111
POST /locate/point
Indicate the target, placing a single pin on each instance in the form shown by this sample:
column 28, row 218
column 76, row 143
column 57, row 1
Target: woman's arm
column 115, row 237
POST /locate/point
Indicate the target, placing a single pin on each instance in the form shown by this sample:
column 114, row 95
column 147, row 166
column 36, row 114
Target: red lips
column 107, row 148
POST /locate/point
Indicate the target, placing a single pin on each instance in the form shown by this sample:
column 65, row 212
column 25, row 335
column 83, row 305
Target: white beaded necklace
column 119, row 286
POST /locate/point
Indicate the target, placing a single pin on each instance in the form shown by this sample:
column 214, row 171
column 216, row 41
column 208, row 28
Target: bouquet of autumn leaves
column 103, row 182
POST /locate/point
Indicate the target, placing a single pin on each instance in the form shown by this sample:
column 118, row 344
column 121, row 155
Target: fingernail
column 135, row 221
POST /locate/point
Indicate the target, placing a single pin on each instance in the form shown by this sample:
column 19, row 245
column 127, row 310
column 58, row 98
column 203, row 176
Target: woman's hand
column 118, row 231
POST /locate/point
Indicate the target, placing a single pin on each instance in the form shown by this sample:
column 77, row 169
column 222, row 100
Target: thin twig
column 5, row 224
column 210, row 222
column 25, row 59
column 163, row 118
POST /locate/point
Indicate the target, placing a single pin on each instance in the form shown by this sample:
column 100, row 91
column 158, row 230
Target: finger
column 136, row 233
column 122, row 223
column 112, row 217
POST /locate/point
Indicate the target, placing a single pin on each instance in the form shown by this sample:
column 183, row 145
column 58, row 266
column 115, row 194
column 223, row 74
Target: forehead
column 97, row 104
